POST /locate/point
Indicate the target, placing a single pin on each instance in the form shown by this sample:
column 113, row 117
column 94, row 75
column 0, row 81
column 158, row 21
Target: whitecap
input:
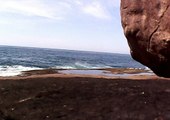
column 6, row 71
column 63, row 67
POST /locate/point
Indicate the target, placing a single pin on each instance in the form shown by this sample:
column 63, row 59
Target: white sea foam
column 81, row 65
column 146, row 68
column 76, row 65
column 64, row 67
column 84, row 65
column 6, row 71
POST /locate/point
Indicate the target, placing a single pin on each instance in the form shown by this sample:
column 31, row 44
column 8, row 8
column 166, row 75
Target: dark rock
column 146, row 26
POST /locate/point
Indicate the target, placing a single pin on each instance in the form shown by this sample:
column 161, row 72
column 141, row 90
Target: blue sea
column 14, row 60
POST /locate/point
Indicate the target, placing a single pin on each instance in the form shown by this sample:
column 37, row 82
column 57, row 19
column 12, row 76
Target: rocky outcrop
column 146, row 25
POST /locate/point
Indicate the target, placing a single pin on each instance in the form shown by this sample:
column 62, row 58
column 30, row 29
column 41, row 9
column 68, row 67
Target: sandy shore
column 50, row 95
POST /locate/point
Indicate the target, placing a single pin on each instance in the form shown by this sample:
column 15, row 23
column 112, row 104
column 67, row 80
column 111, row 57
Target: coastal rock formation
column 146, row 25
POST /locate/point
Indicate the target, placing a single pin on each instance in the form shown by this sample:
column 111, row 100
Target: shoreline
column 109, row 73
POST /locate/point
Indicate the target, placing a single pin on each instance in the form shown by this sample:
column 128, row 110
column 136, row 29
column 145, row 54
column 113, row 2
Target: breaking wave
column 15, row 70
column 80, row 65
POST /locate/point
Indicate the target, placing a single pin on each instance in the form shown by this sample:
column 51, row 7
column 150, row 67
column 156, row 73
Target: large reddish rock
column 146, row 25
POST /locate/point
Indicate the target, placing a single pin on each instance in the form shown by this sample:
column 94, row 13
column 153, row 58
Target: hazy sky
column 92, row 25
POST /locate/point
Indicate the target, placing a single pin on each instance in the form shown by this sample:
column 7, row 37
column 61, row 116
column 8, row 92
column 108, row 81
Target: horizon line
column 66, row 49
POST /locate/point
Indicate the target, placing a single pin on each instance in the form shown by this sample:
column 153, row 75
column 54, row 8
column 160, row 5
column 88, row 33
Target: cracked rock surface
column 146, row 26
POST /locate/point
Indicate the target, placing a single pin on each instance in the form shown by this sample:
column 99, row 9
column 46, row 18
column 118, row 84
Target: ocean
column 14, row 60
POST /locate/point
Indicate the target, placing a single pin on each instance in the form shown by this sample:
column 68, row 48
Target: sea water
column 14, row 60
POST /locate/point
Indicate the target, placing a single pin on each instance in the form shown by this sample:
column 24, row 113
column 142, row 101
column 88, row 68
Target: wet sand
column 50, row 95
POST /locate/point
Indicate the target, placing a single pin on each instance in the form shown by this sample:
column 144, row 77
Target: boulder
column 146, row 25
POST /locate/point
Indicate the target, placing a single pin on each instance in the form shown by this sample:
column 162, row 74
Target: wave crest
column 6, row 71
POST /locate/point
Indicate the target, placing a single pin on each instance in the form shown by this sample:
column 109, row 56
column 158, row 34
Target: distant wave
column 82, row 65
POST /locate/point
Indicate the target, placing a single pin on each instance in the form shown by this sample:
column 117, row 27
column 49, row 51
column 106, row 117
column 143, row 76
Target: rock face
column 146, row 25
